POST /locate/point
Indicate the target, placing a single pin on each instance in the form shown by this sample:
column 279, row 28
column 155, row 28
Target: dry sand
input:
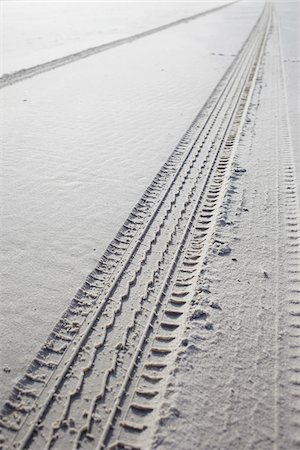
column 90, row 138
column 186, row 335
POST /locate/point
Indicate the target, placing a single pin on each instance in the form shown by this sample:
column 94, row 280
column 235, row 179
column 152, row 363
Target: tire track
column 135, row 418
column 23, row 74
column 66, row 329
column 92, row 354
column 288, row 367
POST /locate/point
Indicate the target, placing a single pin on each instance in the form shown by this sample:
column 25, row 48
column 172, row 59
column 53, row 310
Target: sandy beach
column 150, row 282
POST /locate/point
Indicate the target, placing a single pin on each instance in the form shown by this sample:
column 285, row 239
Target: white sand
column 36, row 32
column 81, row 145
column 186, row 336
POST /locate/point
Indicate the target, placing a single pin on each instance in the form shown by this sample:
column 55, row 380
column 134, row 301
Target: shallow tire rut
column 99, row 380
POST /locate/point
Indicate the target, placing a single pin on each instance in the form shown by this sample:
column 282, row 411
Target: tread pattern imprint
column 99, row 380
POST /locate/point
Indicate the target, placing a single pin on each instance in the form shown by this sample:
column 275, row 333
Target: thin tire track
column 23, row 74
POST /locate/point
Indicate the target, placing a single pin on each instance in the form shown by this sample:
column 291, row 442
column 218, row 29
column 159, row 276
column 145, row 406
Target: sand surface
column 184, row 331
column 89, row 140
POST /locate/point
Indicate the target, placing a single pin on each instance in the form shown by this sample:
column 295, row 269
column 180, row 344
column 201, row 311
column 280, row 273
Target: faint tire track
column 23, row 74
